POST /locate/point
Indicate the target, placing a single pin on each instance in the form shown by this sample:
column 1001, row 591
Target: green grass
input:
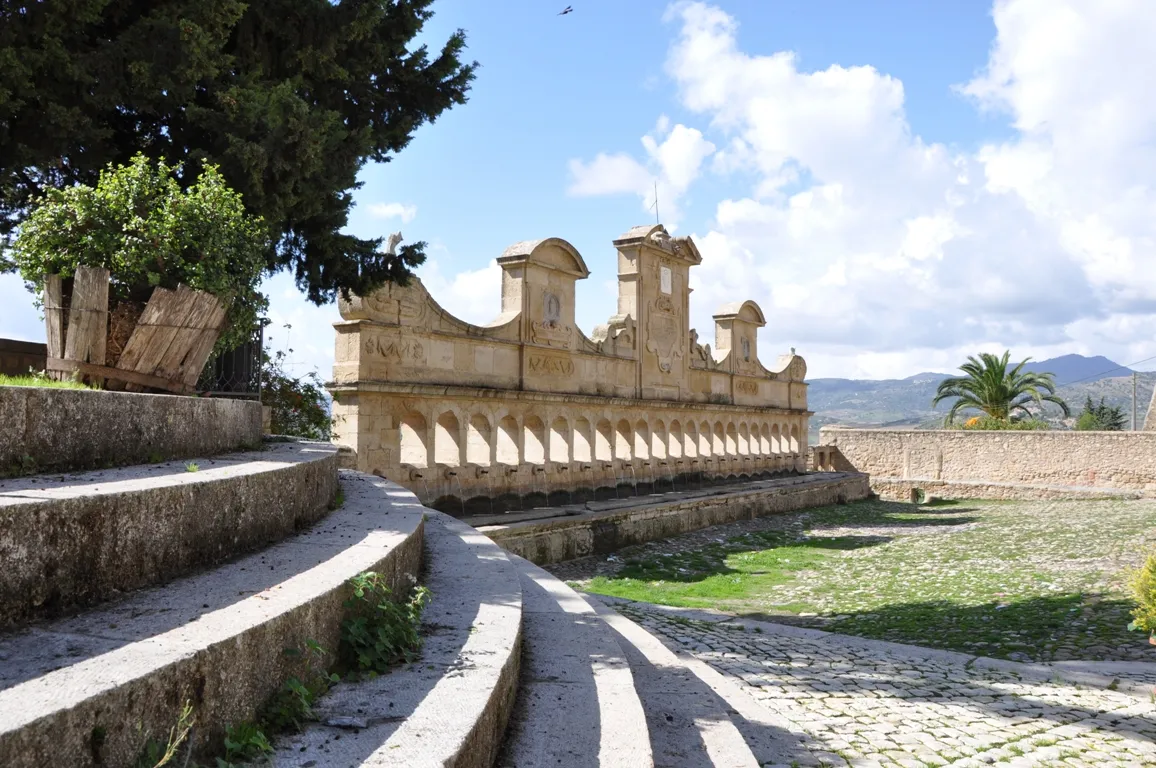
column 1027, row 580
column 40, row 380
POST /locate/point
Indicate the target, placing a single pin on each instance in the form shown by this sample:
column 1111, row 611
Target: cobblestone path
column 852, row 701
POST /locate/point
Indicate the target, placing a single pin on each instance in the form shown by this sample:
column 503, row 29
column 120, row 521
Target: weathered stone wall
column 559, row 539
column 447, row 408
column 894, row 489
column 45, row 429
column 18, row 357
column 1121, row 460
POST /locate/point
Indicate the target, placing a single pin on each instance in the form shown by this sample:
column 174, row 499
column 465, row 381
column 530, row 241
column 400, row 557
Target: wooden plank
column 171, row 364
column 139, row 380
column 202, row 346
column 54, row 318
column 142, row 335
column 88, row 317
column 54, row 315
column 165, row 314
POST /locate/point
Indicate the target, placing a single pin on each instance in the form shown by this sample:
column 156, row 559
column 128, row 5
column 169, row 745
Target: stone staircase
column 126, row 593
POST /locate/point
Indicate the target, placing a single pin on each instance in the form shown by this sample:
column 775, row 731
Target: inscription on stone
column 549, row 365
column 396, row 350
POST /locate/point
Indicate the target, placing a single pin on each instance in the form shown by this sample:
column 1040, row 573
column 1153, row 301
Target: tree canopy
column 989, row 386
column 1100, row 417
column 289, row 98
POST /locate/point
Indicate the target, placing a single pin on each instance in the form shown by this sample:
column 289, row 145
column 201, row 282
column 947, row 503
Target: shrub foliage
column 137, row 223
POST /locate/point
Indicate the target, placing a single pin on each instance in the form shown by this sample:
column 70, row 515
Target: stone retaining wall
column 892, row 489
column 44, row 429
column 1110, row 460
column 18, row 357
column 556, row 540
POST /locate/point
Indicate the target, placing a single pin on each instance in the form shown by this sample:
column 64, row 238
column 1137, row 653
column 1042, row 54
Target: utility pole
column 1133, row 401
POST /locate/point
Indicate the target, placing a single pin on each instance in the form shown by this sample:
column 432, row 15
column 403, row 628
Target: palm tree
column 990, row 387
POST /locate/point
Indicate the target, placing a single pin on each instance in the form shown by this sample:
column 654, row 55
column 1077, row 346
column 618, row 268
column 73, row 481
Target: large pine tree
column 289, row 97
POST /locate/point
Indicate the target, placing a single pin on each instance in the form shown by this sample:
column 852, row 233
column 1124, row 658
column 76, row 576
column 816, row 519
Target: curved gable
column 747, row 311
column 551, row 252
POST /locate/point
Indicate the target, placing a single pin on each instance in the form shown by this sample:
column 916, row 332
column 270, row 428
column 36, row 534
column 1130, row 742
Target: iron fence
column 236, row 373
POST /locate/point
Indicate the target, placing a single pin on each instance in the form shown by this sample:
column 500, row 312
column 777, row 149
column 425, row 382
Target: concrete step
column 695, row 716
column 577, row 706
column 449, row 708
column 89, row 690
column 70, row 541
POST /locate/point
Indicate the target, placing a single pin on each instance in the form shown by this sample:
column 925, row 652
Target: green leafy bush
column 990, row 423
column 1143, row 585
column 377, row 631
column 1104, row 418
column 138, row 224
column 299, row 405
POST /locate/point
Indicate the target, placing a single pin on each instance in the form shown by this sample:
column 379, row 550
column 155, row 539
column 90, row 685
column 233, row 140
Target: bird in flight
column 566, row 10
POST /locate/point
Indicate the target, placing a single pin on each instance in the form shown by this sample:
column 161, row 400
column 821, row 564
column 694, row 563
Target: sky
column 897, row 183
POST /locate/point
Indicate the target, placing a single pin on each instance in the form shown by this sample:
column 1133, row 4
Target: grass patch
column 749, row 564
column 40, row 380
column 1023, row 580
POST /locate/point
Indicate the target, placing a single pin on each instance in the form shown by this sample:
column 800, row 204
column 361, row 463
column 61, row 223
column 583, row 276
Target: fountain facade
column 527, row 410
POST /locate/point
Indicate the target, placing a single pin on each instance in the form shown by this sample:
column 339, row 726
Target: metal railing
column 236, row 373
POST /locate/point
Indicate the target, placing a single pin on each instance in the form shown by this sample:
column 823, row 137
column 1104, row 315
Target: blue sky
column 898, row 184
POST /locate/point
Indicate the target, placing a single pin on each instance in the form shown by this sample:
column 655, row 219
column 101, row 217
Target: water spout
column 614, row 472
column 634, row 477
column 483, row 471
column 569, row 486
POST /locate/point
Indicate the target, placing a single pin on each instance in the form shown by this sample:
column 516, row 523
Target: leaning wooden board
column 167, row 350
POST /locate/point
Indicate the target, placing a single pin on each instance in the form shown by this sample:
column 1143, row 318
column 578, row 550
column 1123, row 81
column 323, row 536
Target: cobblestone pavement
column 851, row 701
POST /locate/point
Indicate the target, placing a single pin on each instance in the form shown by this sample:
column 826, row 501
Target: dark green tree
column 289, row 98
column 299, row 405
column 990, row 387
column 1102, row 417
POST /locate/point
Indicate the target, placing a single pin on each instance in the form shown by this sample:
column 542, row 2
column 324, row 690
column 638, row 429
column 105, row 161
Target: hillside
column 907, row 402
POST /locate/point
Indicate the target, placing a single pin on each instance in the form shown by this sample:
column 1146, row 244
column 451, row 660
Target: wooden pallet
column 167, row 350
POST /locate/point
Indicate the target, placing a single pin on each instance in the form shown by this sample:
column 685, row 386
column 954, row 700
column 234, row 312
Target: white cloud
column 393, row 211
column 474, row 295
column 875, row 251
column 675, row 156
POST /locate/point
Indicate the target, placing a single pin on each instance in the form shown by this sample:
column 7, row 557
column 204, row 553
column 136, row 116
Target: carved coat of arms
column 664, row 337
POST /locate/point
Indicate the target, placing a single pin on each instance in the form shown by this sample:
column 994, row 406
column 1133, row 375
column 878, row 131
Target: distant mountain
column 907, row 402
column 1070, row 368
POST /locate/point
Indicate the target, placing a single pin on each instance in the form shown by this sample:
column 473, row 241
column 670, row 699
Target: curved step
column 577, row 705
column 69, row 541
column 696, row 717
column 85, row 691
column 450, row 707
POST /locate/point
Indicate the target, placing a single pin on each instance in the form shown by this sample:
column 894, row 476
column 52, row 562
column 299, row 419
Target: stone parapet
column 600, row 532
column 1055, row 458
column 43, row 429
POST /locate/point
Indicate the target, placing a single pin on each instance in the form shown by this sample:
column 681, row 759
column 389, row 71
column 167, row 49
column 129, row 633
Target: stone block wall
column 45, row 429
column 18, row 357
column 1112, row 460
